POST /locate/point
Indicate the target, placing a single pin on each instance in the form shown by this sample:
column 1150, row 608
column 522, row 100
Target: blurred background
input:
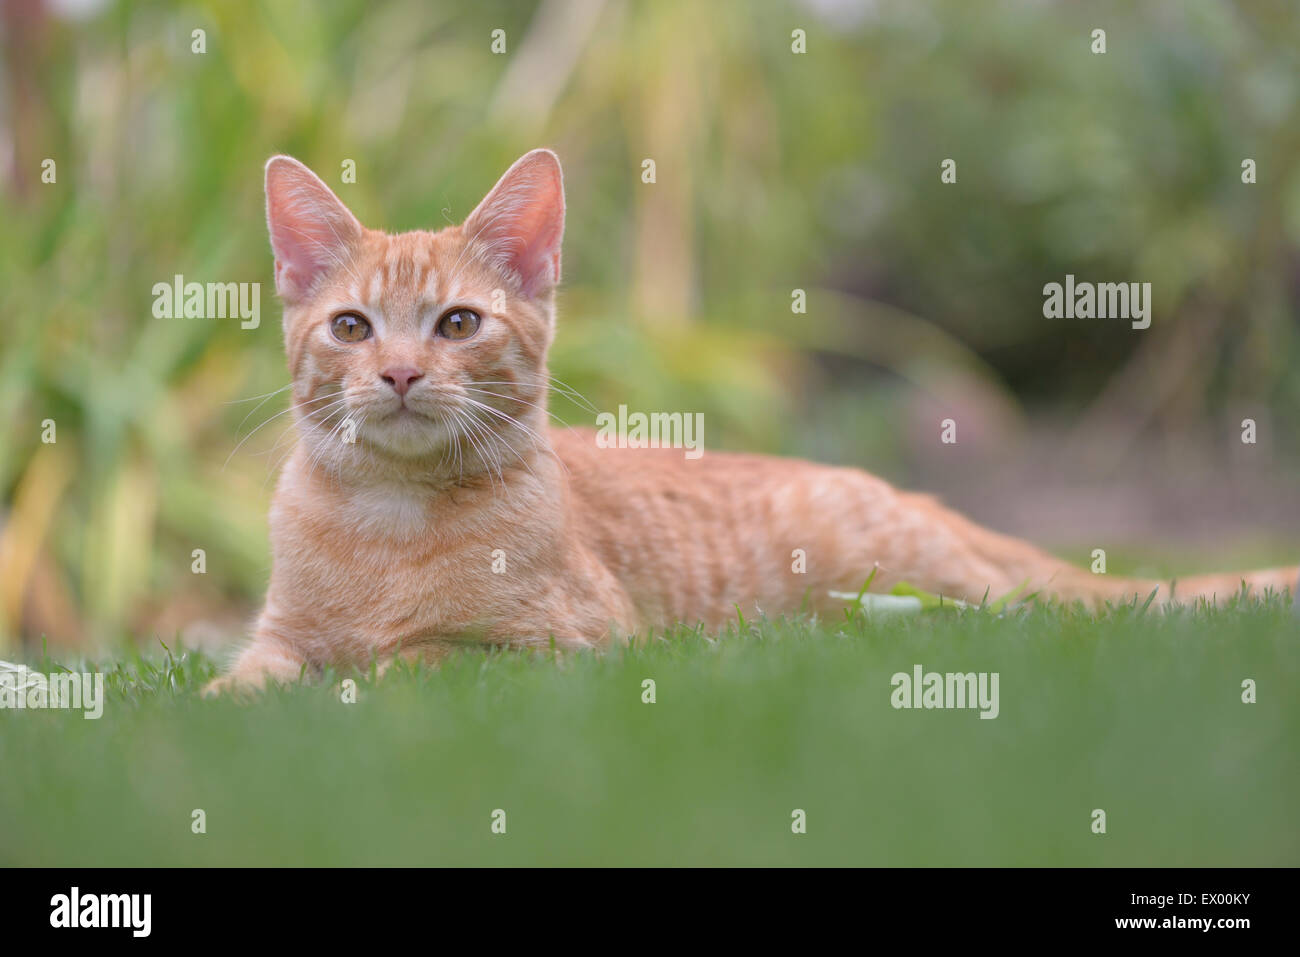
column 775, row 171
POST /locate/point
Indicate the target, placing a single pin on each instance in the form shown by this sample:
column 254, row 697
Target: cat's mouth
column 409, row 418
column 427, row 409
column 416, row 417
column 408, row 426
column 428, row 423
column 407, row 431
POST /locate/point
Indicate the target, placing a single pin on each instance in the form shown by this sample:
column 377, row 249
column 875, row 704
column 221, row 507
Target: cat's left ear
column 521, row 222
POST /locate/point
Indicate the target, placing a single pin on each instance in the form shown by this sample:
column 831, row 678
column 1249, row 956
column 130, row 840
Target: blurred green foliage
column 775, row 171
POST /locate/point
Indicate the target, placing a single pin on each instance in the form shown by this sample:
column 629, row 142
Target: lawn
column 1138, row 714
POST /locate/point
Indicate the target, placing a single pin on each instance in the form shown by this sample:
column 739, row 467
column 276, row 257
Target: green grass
column 1138, row 714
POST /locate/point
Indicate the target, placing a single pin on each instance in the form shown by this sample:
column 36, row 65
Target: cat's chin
column 408, row 434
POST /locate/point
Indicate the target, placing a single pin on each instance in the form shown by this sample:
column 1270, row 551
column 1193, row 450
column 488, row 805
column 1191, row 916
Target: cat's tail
column 1070, row 583
column 1221, row 586
column 1216, row 588
column 989, row 564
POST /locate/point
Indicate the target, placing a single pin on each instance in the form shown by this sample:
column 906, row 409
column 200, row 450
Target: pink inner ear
column 521, row 222
column 311, row 230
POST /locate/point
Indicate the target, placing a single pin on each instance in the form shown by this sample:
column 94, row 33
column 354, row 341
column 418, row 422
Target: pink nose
column 400, row 379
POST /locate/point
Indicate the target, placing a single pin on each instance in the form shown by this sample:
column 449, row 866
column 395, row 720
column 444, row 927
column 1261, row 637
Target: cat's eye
column 349, row 327
column 459, row 324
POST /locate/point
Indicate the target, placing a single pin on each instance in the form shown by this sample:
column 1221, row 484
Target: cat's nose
column 400, row 379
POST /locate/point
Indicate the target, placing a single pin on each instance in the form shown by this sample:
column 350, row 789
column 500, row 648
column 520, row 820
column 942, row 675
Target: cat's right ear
column 311, row 230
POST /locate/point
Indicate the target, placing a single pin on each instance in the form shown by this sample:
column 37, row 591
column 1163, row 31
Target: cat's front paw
column 261, row 662
column 230, row 685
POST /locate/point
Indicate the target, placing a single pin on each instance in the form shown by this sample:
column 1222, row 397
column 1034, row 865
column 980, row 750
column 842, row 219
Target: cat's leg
column 584, row 608
column 427, row 653
column 982, row 562
column 913, row 538
column 940, row 550
column 520, row 637
column 265, row 659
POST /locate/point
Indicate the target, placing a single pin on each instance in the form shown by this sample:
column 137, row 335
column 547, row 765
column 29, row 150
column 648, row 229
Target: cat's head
column 421, row 347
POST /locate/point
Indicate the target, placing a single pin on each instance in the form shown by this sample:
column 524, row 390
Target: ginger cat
column 424, row 460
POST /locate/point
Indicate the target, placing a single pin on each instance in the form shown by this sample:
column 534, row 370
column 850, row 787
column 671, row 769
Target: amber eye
column 459, row 324
column 349, row 327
